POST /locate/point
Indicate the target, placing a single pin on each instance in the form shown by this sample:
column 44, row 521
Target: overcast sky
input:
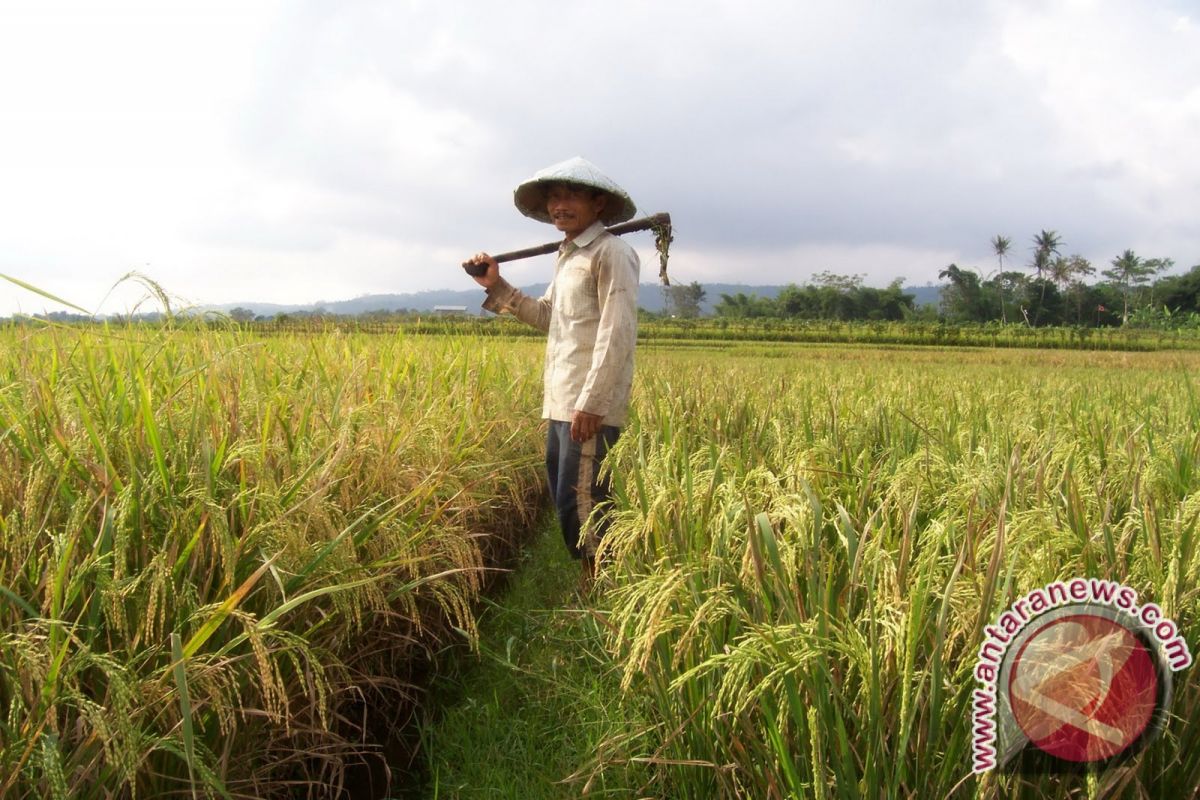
column 304, row 151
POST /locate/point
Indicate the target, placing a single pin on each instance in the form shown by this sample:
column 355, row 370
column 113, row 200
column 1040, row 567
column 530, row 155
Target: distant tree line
column 828, row 296
column 1055, row 291
column 1132, row 290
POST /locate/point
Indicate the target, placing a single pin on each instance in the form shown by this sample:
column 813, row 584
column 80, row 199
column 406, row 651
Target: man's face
column 573, row 208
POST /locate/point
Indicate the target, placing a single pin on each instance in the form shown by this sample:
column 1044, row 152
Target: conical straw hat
column 530, row 196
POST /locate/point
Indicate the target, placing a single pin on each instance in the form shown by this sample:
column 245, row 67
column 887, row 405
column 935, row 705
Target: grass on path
column 527, row 716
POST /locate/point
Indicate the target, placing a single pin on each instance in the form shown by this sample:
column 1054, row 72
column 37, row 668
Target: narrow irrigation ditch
column 526, row 712
column 406, row 728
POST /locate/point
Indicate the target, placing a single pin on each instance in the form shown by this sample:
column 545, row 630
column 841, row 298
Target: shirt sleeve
column 617, row 269
column 533, row 311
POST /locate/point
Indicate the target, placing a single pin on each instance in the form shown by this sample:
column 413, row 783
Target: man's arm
column 502, row 296
column 616, row 288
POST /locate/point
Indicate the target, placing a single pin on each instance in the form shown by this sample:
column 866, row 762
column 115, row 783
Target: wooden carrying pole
column 659, row 223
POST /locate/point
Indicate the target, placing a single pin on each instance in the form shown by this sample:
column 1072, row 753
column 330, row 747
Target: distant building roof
column 451, row 309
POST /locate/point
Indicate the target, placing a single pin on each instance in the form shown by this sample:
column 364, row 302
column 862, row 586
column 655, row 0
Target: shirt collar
column 587, row 236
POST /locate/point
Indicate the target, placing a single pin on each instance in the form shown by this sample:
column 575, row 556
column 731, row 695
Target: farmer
column 590, row 314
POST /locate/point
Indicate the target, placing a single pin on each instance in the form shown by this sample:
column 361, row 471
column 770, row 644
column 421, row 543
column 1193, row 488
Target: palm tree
column 1000, row 246
column 1126, row 270
column 1045, row 245
column 1069, row 272
column 1061, row 272
column 1154, row 266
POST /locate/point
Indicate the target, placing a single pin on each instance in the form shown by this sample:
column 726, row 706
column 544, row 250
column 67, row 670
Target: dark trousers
column 572, row 469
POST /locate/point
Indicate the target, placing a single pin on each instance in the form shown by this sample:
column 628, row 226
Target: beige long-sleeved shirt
column 589, row 312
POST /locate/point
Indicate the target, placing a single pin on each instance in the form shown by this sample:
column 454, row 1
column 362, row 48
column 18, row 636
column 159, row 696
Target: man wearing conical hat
column 589, row 313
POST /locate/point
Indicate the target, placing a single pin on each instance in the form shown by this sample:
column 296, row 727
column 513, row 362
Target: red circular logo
column 1083, row 688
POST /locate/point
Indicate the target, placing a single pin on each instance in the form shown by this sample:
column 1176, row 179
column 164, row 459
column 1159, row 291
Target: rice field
column 718, row 332
column 220, row 550
column 807, row 549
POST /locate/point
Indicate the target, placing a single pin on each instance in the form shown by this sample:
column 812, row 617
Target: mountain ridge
column 650, row 297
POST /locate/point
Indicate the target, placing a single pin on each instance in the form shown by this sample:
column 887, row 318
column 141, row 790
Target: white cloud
column 1121, row 84
column 313, row 151
column 879, row 263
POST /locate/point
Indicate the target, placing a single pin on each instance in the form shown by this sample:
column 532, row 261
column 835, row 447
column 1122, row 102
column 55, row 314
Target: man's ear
column 600, row 202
